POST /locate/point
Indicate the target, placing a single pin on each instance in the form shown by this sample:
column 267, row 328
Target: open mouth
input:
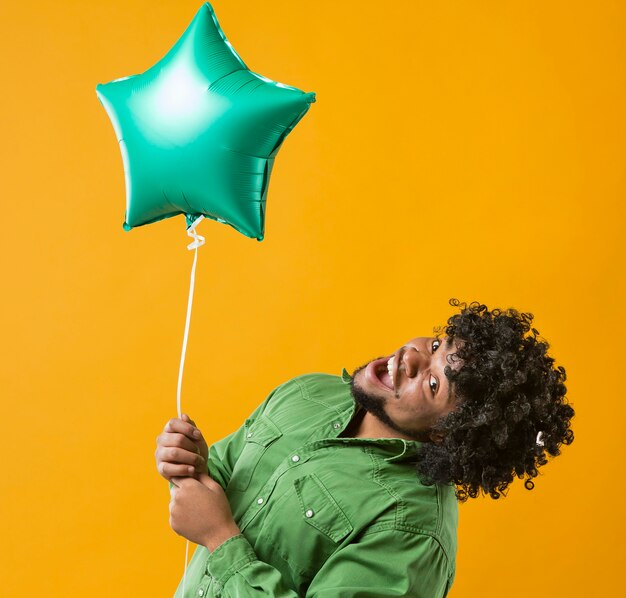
column 377, row 373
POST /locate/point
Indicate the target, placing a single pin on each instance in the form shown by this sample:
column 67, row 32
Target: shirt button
column 259, row 501
column 295, row 458
column 336, row 425
column 200, row 592
column 309, row 513
column 249, row 434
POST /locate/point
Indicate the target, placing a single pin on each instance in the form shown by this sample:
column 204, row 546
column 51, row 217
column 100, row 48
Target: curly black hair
column 511, row 405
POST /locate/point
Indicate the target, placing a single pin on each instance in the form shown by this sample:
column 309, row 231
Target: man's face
column 408, row 391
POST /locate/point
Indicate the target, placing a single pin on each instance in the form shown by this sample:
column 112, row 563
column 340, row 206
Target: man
column 348, row 486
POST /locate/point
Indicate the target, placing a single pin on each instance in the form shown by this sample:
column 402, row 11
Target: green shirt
column 322, row 516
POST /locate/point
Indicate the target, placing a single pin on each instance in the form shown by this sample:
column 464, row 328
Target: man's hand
column 181, row 449
column 199, row 511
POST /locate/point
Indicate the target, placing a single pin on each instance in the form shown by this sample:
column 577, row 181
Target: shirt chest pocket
column 324, row 523
column 259, row 434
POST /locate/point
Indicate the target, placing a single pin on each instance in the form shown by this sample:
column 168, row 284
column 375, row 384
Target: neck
column 365, row 425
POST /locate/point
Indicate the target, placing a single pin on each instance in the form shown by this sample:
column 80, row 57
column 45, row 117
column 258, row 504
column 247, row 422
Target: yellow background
column 457, row 149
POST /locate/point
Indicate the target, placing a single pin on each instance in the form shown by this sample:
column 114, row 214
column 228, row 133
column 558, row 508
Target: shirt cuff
column 230, row 557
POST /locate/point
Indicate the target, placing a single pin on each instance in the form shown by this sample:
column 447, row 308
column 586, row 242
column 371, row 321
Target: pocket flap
column 262, row 431
column 320, row 509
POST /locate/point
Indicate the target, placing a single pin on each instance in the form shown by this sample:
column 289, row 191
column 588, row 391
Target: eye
column 433, row 385
column 436, row 342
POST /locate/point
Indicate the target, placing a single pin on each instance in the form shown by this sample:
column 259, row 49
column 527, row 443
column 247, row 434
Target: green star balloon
column 199, row 132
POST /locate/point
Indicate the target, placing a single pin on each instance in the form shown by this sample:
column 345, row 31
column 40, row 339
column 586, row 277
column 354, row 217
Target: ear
column 437, row 437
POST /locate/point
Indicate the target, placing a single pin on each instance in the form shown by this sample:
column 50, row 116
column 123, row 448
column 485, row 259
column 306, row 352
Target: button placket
column 203, row 589
column 255, row 507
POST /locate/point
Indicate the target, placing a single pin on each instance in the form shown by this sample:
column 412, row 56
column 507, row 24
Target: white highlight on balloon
column 179, row 105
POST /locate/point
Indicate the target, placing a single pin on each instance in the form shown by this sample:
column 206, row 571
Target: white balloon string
column 198, row 241
column 185, row 571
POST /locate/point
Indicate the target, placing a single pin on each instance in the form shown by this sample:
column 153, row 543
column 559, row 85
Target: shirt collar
column 403, row 449
column 409, row 450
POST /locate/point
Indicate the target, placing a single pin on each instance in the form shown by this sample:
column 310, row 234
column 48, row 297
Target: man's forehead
column 451, row 343
column 451, row 346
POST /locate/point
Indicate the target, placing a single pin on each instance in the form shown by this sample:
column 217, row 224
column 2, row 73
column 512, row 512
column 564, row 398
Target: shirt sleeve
column 224, row 453
column 236, row 572
column 417, row 569
column 385, row 563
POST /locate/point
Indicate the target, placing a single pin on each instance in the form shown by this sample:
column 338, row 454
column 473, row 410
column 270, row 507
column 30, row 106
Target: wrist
column 220, row 536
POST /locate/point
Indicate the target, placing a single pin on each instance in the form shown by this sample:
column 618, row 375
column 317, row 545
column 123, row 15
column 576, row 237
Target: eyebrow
column 448, row 346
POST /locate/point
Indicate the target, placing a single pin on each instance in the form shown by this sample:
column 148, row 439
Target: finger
column 175, row 455
column 170, row 470
column 199, row 439
column 188, row 419
column 207, row 480
column 186, row 481
column 183, row 427
column 172, row 439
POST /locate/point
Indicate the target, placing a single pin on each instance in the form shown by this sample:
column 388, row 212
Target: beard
column 376, row 406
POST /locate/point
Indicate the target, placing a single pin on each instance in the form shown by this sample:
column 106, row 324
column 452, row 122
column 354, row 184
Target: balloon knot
column 198, row 240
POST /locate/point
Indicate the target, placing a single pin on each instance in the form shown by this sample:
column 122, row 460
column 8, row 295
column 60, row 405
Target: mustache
column 362, row 367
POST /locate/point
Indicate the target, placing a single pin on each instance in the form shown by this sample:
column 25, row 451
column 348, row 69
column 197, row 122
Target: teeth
column 390, row 369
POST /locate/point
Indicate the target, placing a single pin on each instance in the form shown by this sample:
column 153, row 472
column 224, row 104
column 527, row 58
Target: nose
column 414, row 360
